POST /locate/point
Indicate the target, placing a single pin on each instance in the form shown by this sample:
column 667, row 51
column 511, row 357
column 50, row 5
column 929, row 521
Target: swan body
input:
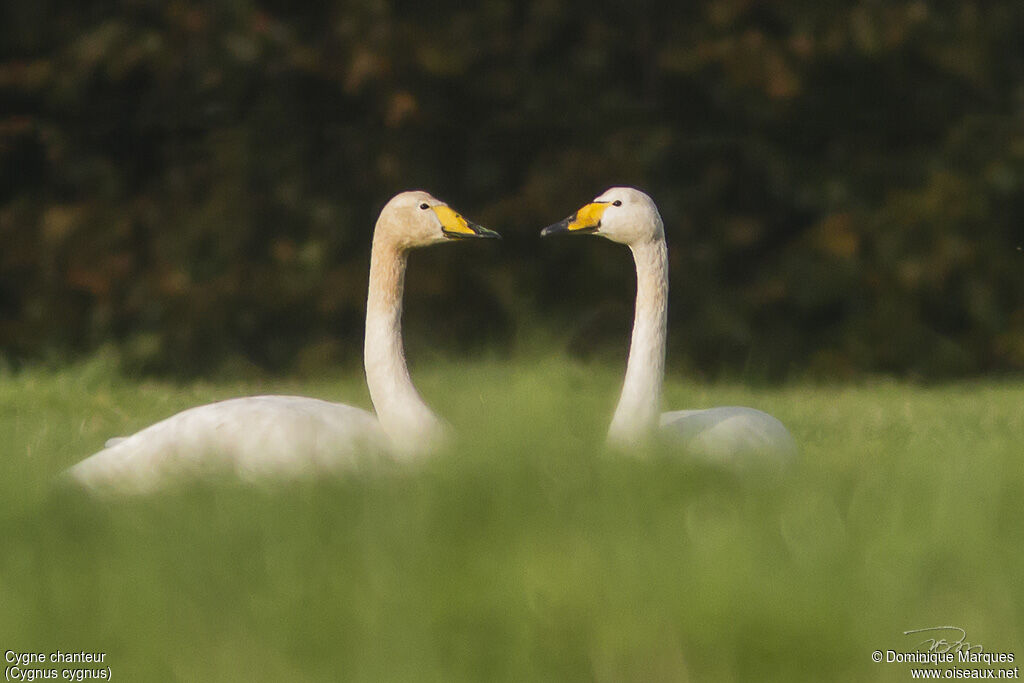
column 728, row 434
column 251, row 438
column 628, row 216
column 291, row 436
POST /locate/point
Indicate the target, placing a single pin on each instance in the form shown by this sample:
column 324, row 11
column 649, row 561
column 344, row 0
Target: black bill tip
column 558, row 228
column 562, row 228
column 478, row 231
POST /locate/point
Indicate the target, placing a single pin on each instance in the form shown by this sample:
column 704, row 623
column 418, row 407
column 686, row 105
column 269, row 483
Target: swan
column 271, row 436
column 628, row 216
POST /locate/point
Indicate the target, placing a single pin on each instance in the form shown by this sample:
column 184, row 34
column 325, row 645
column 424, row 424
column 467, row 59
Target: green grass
column 526, row 552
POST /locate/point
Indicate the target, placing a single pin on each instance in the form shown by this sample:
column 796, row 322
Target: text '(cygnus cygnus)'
column 274, row 436
column 628, row 216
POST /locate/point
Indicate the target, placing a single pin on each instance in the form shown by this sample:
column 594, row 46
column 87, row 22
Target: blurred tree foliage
column 197, row 182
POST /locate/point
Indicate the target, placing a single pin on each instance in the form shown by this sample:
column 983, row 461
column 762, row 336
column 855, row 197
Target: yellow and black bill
column 585, row 221
column 455, row 227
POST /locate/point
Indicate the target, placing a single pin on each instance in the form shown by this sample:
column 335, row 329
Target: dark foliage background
column 196, row 183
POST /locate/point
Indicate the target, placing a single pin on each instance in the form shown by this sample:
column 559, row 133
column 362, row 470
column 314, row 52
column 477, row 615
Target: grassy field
column 526, row 552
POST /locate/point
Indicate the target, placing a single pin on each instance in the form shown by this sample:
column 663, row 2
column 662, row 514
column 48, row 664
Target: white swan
column 291, row 435
column 628, row 216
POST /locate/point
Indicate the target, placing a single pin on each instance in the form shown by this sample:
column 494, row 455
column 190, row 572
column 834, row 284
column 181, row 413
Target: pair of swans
column 273, row 436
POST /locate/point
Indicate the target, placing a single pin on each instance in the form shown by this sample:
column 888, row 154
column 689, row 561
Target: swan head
column 418, row 219
column 622, row 214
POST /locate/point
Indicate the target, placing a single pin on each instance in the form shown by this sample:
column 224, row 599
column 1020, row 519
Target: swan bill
column 585, row 221
column 455, row 226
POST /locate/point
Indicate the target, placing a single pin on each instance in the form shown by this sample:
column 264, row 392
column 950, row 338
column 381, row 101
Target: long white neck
column 408, row 422
column 636, row 416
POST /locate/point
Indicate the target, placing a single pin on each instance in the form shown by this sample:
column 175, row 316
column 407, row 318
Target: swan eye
column 424, row 206
column 617, row 202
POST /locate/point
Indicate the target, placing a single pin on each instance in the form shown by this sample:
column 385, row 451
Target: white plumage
column 250, row 437
column 628, row 216
column 292, row 436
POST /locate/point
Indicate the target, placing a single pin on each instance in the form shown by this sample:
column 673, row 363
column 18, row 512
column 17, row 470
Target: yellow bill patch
column 588, row 217
column 451, row 221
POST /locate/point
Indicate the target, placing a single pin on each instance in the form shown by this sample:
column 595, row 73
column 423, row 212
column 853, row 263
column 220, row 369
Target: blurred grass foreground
column 525, row 552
